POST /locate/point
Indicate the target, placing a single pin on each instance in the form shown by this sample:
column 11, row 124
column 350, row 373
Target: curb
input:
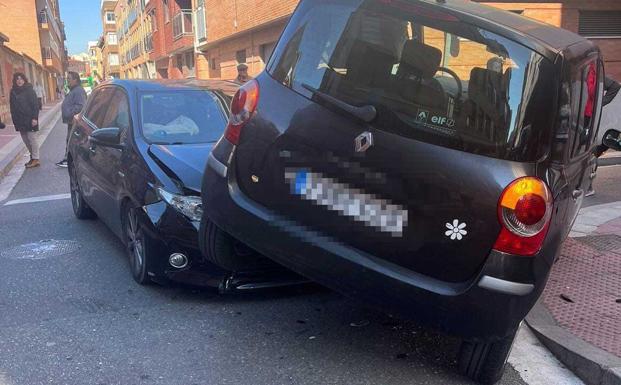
column 16, row 147
column 593, row 365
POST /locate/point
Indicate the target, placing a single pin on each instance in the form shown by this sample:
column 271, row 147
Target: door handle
column 577, row 194
column 92, row 149
column 76, row 134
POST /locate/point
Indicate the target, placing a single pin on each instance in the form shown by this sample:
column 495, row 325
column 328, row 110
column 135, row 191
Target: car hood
column 183, row 162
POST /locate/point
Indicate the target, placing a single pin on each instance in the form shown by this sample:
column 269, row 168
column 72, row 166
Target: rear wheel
column 139, row 248
column 81, row 209
column 484, row 362
column 227, row 252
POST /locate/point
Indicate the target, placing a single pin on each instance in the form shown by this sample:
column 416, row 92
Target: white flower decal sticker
column 456, row 230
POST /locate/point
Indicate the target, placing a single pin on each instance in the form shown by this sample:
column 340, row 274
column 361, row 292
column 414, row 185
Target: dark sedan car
column 426, row 157
column 136, row 158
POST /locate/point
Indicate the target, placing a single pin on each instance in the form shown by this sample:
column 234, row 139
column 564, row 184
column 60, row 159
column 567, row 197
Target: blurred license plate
column 366, row 208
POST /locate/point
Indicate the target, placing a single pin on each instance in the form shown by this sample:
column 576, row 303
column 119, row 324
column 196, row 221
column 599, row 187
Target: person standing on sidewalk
column 72, row 105
column 242, row 74
column 25, row 114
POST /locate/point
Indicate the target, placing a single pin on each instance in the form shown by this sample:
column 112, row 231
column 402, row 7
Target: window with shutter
column 600, row 24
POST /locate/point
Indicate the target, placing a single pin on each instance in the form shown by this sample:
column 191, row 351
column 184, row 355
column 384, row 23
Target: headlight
column 190, row 206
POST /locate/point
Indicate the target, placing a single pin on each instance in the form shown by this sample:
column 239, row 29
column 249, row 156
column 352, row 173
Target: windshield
column 181, row 117
column 430, row 77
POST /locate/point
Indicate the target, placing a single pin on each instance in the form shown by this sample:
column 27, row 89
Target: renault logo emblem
column 363, row 141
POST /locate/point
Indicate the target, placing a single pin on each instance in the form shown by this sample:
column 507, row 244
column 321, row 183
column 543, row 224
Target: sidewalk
column 11, row 145
column 579, row 315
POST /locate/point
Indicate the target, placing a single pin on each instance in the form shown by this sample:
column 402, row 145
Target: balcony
column 182, row 24
column 51, row 60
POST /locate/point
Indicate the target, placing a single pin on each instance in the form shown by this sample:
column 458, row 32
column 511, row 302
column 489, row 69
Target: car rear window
column 181, row 117
column 430, row 76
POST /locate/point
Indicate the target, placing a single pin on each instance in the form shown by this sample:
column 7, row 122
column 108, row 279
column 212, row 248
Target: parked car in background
column 136, row 159
column 426, row 157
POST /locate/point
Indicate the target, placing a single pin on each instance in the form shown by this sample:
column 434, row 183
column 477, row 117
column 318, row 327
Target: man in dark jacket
column 72, row 105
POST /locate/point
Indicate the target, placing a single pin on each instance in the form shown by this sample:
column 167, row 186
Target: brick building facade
column 31, row 41
column 172, row 34
column 234, row 31
column 238, row 31
column 108, row 42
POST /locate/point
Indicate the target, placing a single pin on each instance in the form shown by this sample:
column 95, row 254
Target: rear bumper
column 488, row 306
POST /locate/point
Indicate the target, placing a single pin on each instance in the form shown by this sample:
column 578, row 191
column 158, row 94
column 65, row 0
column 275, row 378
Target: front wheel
column 484, row 362
column 139, row 248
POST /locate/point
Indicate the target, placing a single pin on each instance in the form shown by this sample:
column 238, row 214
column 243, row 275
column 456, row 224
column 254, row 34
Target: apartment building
column 245, row 31
column 172, row 37
column 134, row 29
column 32, row 40
column 109, row 42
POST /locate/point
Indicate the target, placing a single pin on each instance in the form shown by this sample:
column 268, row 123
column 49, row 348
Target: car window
column 187, row 116
column 98, row 107
column 117, row 114
column 433, row 79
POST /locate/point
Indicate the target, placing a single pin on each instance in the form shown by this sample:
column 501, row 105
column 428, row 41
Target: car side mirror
column 612, row 140
column 107, row 137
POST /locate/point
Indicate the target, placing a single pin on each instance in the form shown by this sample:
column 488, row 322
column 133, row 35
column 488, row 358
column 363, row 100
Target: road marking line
column 536, row 365
column 45, row 198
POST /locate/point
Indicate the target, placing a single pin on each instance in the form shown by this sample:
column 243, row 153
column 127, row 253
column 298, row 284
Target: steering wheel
column 457, row 80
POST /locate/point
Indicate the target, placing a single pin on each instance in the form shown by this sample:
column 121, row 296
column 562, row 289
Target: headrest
column 419, row 59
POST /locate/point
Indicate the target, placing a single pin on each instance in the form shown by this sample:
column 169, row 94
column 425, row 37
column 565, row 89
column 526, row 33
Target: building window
column 240, row 56
column 266, row 51
column 201, row 22
column 600, row 24
column 113, row 59
column 166, row 11
column 189, row 63
column 213, row 64
column 153, row 21
column 111, row 38
column 110, row 17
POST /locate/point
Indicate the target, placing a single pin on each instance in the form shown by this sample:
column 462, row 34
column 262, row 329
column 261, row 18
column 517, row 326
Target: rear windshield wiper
column 366, row 113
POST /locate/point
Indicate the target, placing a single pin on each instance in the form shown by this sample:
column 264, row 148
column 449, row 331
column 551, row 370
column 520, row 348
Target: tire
column 484, row 362
column 81, row 209
column 228, row 253
column 139, row 247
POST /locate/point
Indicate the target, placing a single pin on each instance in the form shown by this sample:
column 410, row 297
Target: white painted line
column 10, row 180
column 45, row 198
column 536, row 365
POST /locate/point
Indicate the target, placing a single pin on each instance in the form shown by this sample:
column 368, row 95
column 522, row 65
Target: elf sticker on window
column 442, row 121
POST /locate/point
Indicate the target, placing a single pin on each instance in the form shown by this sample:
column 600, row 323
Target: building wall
column 565, row 14
column 108, row 49
column 249, row 26
column 19, row 22
column 173, row 57
column 234, row 25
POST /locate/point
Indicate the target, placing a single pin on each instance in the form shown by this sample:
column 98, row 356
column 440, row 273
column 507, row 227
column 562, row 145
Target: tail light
column 524, row 212
column 242, row 107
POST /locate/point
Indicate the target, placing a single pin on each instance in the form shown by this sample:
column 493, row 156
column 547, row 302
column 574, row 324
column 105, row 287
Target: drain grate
column 41, row 250
column 607, row 242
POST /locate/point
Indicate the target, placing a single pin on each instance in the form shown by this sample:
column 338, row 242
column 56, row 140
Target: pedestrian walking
column 39, row 91
column 72, row 105
column 242, row 74
column 25, row 114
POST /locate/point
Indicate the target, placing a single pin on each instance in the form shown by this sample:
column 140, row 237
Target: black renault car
column 136, row 159
column 427, row 157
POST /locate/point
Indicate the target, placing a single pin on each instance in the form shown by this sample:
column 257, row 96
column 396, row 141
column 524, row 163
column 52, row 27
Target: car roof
column 544, row 38
column 225, row 87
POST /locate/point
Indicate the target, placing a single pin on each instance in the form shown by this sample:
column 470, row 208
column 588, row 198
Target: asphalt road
column 79, row 318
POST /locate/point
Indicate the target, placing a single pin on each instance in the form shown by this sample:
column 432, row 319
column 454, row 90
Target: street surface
column 79, row 318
